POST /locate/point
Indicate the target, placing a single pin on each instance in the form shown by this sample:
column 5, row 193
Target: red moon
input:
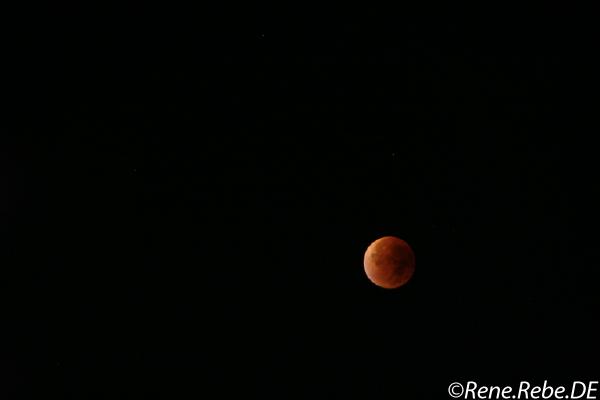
column 389, row 262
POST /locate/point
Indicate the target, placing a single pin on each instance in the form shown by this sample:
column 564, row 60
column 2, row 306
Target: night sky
column 188, row 196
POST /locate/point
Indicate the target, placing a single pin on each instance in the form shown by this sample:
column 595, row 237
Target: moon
column 389, row 262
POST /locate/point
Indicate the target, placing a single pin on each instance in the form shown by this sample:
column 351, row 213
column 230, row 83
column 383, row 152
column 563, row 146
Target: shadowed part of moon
column 389, row 262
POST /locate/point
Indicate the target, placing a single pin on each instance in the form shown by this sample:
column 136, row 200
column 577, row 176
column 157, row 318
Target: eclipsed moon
column 389, row 262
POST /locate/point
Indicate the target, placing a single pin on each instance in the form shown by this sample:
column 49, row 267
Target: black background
column 189, row 193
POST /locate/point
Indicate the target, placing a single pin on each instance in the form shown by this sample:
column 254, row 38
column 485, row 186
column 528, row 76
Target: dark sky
column 188, row 198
